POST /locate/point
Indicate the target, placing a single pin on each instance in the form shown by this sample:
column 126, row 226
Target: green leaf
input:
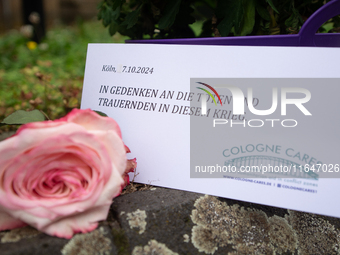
column 115, row 13
column 225, row 26
column 206, row 29
column 113, row 28
column 117, row 3
column 100, row 14
column 100, row 5
column 101, row 113
column 184, row 16
column 132, row 18
column 232, row 11
column 293, row 21
column 263, row 12
column 22, row 117
column 270, row 2
column 169, row 15
column 248, row 17
column 106, row 16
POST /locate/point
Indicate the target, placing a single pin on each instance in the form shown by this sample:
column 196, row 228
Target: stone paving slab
column 162, row 215
column 166, row 221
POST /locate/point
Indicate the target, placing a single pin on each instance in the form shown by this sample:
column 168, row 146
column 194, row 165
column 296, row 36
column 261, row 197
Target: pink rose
column 61, row 176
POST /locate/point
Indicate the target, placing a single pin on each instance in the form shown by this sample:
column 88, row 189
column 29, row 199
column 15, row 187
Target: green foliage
column 231, row 13
column 48, row 76
column 271, row 4
column 170, row 12
column 101, row 113
column 132, row 17
column 249, row 17
column 22, row 117
column 157, row 19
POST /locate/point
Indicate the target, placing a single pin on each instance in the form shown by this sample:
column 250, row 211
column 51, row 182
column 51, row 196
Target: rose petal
column 127, row 149
column 92, row 121
column 130, row 168
column 8, row 222
column 61, row 176
column 78, row 139
column 80, row 223
column 131, row 165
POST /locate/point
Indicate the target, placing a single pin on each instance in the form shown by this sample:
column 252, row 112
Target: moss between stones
column 121, row 242
column 137, row 220
column 186, row 238
column 88, row 244
column 282, row 235
column 250, row 231
column 315, row 235
column 18, row 233
column 247, row 231
column 206, row 239
column 153, row 248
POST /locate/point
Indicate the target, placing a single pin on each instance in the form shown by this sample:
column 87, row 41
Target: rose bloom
column 61, row 176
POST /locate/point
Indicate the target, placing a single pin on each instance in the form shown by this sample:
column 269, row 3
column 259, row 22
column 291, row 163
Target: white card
column 150, row 90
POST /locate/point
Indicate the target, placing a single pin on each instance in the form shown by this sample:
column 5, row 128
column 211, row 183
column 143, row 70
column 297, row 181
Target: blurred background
column 43, row 43
column 43, row 46
column 15, row 13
